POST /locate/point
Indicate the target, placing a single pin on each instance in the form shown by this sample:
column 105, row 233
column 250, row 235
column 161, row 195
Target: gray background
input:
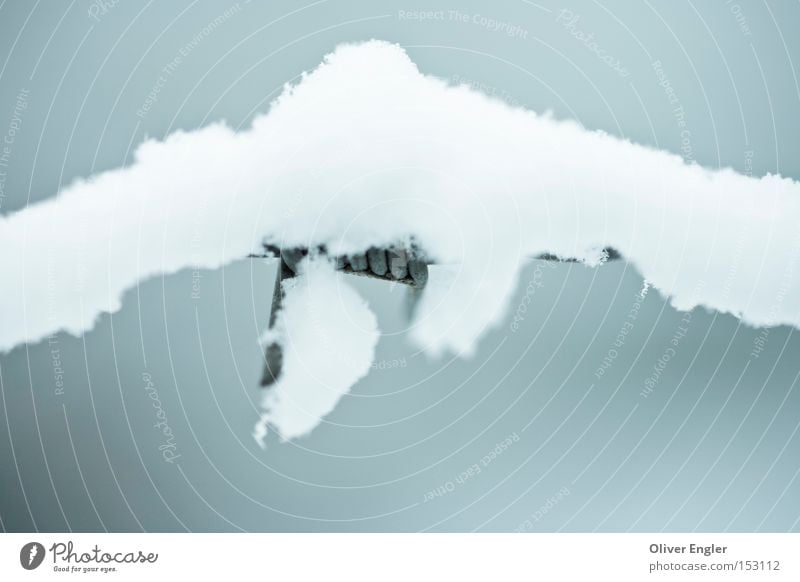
column 714, row 447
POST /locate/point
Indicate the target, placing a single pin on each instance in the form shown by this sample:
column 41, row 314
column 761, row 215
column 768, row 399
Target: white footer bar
column 381, row 557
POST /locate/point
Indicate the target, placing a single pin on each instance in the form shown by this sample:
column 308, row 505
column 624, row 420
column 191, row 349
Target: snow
column 367, row 151
column 328, row 335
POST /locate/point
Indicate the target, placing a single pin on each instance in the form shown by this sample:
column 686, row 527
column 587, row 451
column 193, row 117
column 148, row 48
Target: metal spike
column 358, row 262
column 377, row 261
column 398, row 263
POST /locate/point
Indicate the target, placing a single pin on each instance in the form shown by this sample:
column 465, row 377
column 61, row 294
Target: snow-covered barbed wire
column 365, row 151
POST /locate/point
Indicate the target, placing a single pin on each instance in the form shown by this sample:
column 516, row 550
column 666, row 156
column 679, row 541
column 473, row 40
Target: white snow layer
column 367, row 151
column 328, row 334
